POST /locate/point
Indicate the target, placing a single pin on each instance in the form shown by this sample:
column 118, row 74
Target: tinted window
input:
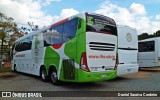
column 57, row 32
column 102, row 24
column 146, row 46
column 53, row 35
column 24, row 44
column 70, row 28
column 47, row 37
column 61, row 33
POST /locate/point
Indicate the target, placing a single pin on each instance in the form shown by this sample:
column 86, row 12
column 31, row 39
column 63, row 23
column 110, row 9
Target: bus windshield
column 101, row 24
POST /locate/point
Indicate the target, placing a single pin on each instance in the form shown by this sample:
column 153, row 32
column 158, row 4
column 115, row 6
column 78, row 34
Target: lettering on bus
column 37, row 42
column 101, row 56
column 20, row 55
column 100, row 24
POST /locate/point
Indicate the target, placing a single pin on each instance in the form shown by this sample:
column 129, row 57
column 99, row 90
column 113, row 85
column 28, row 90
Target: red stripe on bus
column 57, row 46
column 58, row 23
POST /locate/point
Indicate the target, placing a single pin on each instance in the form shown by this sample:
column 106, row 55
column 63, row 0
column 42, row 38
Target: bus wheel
column 54, row 77
column 43, row 74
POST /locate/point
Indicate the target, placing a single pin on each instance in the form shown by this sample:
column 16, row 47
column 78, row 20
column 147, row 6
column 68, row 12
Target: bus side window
column 147, row 46
column 56, row 35
column 26, row 44
column 47, row 39
column 23, row 45
column 53, row 35
column 17, row 47
column 151, row 46
column 70, row 28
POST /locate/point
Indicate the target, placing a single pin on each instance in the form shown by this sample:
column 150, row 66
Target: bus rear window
column 99, row 23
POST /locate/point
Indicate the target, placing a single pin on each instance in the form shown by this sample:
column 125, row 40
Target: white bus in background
column 127, row 50
column 149, row 52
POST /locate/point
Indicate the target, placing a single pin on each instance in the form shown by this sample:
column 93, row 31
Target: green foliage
column 7, row 25
column 146, row 35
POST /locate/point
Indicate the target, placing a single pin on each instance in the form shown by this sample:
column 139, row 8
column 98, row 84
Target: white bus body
column 127, row 50
column 149, row 52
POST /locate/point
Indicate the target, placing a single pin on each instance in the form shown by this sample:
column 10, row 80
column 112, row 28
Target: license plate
column 129, row 70
column 103, row 75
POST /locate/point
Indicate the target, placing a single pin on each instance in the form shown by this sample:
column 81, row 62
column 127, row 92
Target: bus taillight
column 83, row 64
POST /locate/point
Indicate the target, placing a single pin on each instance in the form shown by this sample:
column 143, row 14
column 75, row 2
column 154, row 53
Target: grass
column 5, row 69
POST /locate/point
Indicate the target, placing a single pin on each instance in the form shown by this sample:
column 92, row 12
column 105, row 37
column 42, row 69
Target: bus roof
column 30, row 34
column 126, row 27
column 149, row 39
column 81, row 15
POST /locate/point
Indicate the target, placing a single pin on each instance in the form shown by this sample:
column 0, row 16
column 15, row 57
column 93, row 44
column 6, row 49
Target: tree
column 6, row 26
column 143, row 36
column 157, row 34
column 146, row 35
column 32, row 28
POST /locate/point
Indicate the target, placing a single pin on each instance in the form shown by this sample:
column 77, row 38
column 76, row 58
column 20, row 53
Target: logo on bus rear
column 129, row 37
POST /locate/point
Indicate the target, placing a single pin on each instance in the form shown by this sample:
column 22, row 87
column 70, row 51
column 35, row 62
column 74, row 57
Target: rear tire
column 54, row 77
column 43, row 74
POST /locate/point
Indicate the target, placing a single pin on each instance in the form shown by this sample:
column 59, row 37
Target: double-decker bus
column 81, row 48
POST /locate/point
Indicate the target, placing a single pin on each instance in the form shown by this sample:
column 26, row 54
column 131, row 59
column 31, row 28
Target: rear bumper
column 95, row 76
column 123, row 69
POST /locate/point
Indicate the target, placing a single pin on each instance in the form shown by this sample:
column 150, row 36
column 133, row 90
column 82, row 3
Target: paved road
column 144, row 80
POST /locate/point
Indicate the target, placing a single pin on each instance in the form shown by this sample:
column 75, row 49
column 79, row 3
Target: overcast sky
column 144, row 15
